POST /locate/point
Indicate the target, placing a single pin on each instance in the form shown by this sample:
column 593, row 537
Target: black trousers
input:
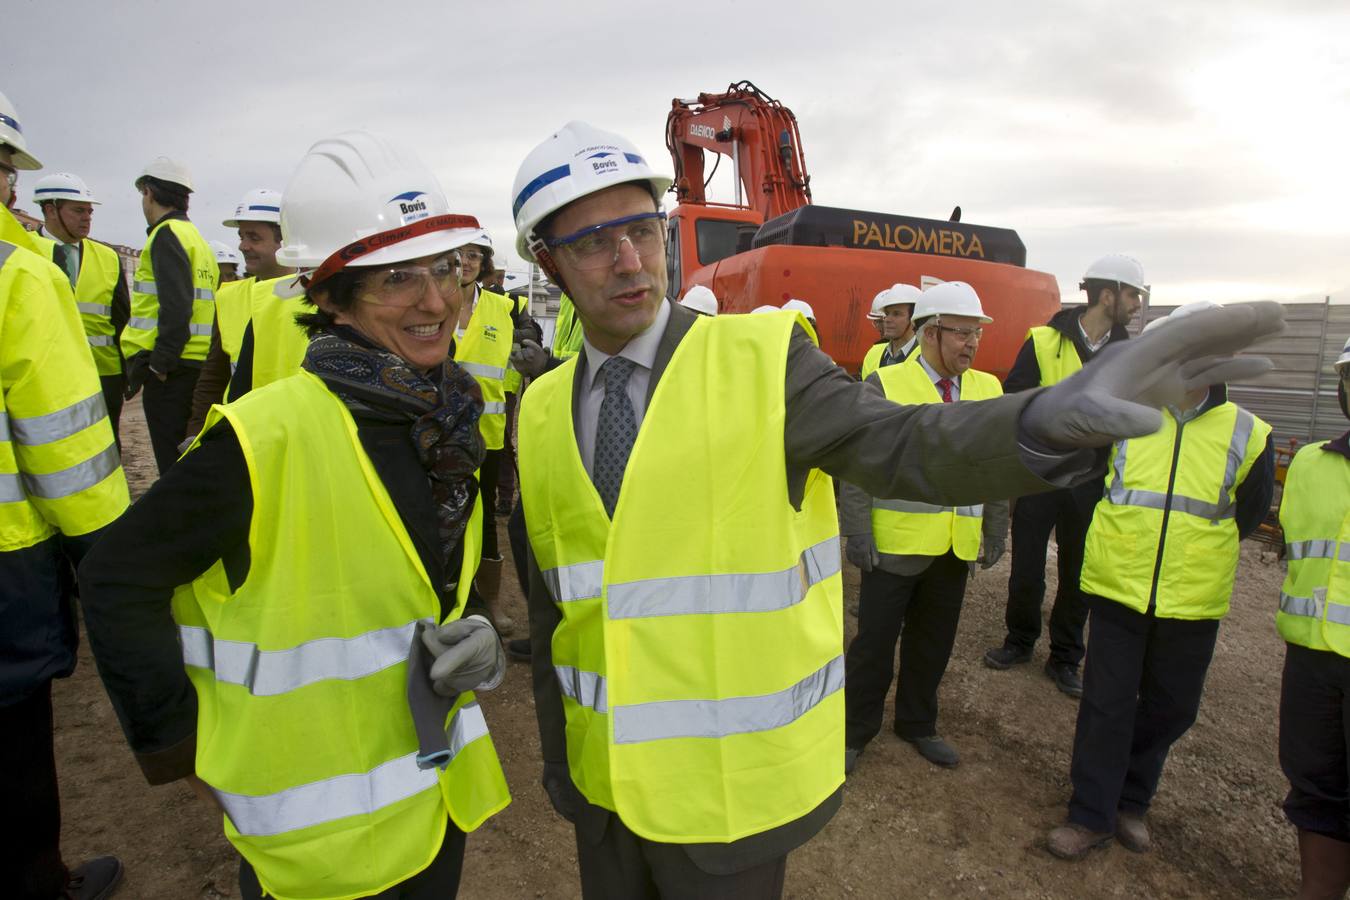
column 168, row 406
column 1033, row 518
column 438, row 881
column 1141, row 692
column 921, row 612
column 487, row 487
column 623, row 866
column 1315, row 740
column 30, row 845
column 114, row 388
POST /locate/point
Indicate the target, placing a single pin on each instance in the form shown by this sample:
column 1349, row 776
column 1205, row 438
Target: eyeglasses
column 11, row 174
column 597, row 247
column 471, row 254
column 406, row 285
column 963, row 334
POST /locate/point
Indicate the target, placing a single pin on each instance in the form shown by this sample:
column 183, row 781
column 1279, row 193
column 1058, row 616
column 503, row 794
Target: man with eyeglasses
column 1073, row 337
column 95, row 273
column 916, row 557
column 61, row 484
column 685, row 595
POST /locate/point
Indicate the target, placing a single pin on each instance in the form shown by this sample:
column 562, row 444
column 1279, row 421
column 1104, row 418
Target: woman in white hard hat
column 228, row 261
column 307, row 545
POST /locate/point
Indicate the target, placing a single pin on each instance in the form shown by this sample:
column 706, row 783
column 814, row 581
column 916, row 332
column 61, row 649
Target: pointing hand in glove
column 1119, row 396
column 468, row 656
column 531, row 359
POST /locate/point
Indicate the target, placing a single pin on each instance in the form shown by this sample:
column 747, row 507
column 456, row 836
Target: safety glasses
column 597, row 247
column 405, row 285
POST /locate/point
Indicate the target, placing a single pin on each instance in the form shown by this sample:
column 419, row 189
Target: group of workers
column 293, row 619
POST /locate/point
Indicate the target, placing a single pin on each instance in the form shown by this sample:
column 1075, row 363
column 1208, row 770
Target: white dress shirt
column 932, row 373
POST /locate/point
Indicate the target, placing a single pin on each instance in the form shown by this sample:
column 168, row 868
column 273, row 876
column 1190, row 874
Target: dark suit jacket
column 953, row 454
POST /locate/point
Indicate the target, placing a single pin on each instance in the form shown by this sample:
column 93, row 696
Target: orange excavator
column 772, row 244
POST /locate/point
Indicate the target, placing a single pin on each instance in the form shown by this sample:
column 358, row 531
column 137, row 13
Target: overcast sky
column 1210, row 140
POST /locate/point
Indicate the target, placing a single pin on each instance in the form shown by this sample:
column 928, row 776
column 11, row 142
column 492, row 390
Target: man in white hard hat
column 95, row 273
column 893, row 308
column 228, row 261
column 489, row 323
column 1158, row 569
column 256, row 220
column 916, row 557
column 701, row 300
column 61, row 484
column 1116, row 289
column 172, row 307
column 671, row 519
column 1314, row 621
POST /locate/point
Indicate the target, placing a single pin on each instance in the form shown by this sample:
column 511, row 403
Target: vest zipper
column 1167, row 512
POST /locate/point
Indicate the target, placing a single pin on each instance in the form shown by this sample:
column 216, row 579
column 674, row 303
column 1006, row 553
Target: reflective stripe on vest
column 914, row 506
column 1315, row 515
column 343, row 796
column 478, row 370
column 153, row 324
column 101, row 340
column 1313, row 607
column 149, row 287
column 57, row 425
column 97, row 309
column 1202, row 509
column 269, row 672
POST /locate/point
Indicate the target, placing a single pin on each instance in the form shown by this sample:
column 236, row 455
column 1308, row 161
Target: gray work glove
column 1120, row 394
column 530, row 359
column 468, row 656
column 861, row 550
column 562, row 793
column 990, row 553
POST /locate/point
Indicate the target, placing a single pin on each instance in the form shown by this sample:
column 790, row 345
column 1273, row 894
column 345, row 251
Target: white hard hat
column 62, row 186
column 481, row 239
column 700, row 299
column 1181, row 312
column 359, row 200
column 950, row 298
column 1345, row 355
column 802, row 307
column 766, row 308
column 1119, row 268
column 896, row 293
column 258, row 205
column 577, row 160
column 225, row 254
column 166, row 169
column 11, row 134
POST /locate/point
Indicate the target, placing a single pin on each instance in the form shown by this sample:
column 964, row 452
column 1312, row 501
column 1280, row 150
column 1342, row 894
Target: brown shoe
column 1073, row 841
column 1132, row 832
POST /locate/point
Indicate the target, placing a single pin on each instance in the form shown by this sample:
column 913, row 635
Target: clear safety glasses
column 405, row 285
column 964, row 335
column 597, row 247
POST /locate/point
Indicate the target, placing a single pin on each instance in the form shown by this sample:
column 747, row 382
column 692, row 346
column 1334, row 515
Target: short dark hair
column 341, row 291
column 1094, row 288
column 165, row 193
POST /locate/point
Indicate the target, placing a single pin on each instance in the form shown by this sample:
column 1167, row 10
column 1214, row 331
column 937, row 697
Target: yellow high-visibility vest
column 911, row 528
column 670, row 722
column 100, row 270
column 1056, row 354
column 59, row 467
column 303, row 728
column 234, row 308
column 13, row 232
column 1211, row 455
column 1315, row 515
column 513, row 378
column 872, row 359
column 278, row 343
column 484, row 352
column 567, row 330
column 143, row 328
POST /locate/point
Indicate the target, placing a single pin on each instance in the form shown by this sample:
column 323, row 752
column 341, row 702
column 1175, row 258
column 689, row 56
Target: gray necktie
column 615, row 431
column 68, row 259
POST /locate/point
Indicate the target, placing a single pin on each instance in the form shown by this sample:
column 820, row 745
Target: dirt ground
column 906, row 828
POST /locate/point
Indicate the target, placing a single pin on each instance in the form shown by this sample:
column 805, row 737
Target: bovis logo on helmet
column 410, row 206
column 603, row 162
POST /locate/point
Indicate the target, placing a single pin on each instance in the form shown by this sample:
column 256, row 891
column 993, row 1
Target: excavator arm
column 760, row 136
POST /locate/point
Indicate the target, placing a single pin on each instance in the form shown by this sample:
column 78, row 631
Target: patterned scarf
column 443, row 408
